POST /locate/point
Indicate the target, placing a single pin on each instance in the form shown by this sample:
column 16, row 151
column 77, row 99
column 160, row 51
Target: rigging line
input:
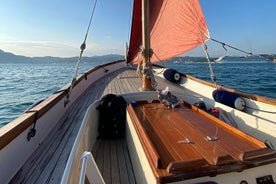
column 204, row 46
column 159, row 61
column 90, row 21
column 213, row 76
column 83, row 45
column 232, row 47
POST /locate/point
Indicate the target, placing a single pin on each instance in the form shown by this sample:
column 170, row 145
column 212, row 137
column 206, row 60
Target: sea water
column 24, row 83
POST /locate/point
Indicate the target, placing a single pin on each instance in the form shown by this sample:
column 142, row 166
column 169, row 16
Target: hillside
column 10, row 57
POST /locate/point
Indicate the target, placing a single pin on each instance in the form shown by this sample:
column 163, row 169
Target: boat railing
column 89, row 170
column 86, row 138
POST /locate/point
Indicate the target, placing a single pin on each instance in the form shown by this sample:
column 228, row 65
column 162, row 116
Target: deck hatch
column 188, row 142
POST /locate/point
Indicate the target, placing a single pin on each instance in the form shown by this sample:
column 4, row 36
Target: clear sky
column 57, row 27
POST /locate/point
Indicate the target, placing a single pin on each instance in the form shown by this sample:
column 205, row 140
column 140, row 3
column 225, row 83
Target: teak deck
column 187, row 142
column 113, row 161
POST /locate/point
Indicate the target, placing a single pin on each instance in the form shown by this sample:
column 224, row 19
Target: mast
column 146, row 51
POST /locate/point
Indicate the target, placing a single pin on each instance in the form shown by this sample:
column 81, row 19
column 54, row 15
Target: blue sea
column 24, row 83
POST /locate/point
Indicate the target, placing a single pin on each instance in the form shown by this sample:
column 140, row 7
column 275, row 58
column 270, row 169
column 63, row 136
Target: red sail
column 176, row 26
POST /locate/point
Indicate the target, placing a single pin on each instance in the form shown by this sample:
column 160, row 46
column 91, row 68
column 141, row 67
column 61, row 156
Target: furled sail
column 176, row 26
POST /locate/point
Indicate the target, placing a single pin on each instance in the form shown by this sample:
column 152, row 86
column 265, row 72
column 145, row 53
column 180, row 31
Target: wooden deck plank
column 113, row 153
column 115, row 177
column 45, row 154
column 131, row 176
column 99, row 158
column 106, row 164
column 58, row 157
column 122, row 169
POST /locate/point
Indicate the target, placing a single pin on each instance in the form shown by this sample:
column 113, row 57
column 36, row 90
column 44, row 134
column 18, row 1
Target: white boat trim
column 89, row 170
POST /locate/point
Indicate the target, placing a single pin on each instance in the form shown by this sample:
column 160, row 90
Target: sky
column 57, row 27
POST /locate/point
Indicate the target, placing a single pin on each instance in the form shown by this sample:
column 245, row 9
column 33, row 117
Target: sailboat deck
column 47, row 164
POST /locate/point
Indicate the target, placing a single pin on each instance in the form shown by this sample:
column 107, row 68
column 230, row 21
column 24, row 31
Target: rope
column 82, row 48
column 212, row 74
column 161, row 65
column 224, row 44
column 83, row 45
column 213, row 77
column 148, row 72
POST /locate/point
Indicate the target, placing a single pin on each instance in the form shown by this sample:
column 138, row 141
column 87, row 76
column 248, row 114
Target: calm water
column 22, row 84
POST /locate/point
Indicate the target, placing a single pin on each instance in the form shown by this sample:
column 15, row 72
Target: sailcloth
column 176, row 26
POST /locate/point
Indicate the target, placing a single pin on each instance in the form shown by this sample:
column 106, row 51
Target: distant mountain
column 10, row 57
column 184, row 59
column 7, row 56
